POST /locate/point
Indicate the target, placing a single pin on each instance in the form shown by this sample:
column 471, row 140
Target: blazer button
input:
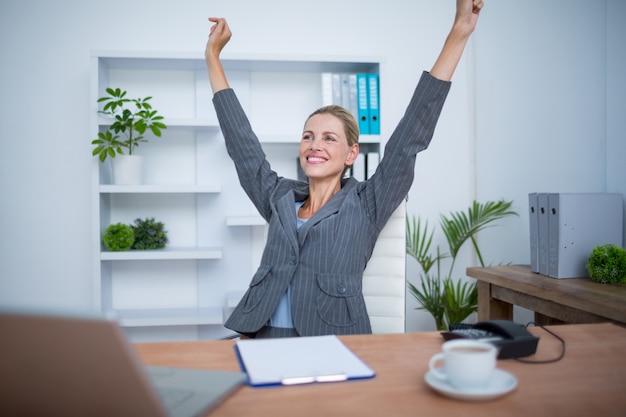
column 341, row 289
column 294, row 259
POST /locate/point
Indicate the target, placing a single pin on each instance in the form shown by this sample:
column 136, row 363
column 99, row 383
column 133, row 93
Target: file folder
column 533, row 220
column 578, row 222
column 373, row 159
column 327, row 88
column 542, row 206
column 374, row 104
column 299, row 360
column 359, row 168
column 345, row 90
column 353, row 105
column 336, row 81
column 363, row 98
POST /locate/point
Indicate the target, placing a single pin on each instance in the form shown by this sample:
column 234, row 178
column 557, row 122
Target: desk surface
column 589, row 380
column 606, row 301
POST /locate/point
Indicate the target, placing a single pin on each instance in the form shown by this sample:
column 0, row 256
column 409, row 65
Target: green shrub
column 607, row 264
column 149, row 234
column 118, row 237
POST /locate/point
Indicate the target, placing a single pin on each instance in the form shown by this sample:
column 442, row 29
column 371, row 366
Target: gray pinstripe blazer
column 325, row 260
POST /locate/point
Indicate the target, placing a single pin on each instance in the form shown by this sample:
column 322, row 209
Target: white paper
column 299, row 360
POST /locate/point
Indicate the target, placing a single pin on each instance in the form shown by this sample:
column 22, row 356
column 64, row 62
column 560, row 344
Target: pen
column 310, row 379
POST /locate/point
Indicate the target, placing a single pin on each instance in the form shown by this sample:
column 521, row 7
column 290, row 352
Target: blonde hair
column 348, row 121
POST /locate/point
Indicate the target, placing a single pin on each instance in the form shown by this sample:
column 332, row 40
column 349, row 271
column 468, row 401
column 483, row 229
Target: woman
column 321, row 233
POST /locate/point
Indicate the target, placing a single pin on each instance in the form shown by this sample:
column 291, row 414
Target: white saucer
column 502, row 383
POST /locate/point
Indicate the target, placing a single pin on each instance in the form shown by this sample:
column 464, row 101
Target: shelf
column 176, row 60
column 209, row 124
column 168, row 317
column 163, row 254
column 245, row 221
column 190, row 182
column 160, row 189
column 294, row 140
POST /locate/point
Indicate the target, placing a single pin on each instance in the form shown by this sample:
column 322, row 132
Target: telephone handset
column 512, row 339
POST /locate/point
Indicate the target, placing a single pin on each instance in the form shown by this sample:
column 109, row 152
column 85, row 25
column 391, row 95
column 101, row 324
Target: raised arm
column 218, row 38
column 464, row 23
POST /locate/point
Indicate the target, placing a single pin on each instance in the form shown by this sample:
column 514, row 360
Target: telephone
column 513, row 339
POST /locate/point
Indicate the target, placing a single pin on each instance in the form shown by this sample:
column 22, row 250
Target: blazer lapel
column 329, row 209
column 286, row 209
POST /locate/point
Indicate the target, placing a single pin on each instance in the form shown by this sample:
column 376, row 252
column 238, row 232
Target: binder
column 345, row 90
column 363, row 96
column 374, row 104
column 336, row 80
column 373, row 158
column 327, row 88
column 299, row 360
column 353, row 105
column 542, row 205
column 359, row 168
column 533, row 220
column 578, row 222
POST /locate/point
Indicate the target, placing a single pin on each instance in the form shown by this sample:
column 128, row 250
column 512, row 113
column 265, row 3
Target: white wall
column 543, row 100
column 542, row 75
column 615, row 95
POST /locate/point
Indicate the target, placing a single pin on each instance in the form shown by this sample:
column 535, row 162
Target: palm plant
column 447, row 299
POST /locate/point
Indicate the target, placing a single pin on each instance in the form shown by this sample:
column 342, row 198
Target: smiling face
column 325, row 152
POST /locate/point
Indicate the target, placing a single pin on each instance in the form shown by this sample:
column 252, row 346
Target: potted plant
column 447, row 299
column 118, row 237
column 132, row 118
column 607, row 264
column 149, row 234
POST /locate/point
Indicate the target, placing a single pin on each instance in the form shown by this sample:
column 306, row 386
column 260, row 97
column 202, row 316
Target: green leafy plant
column 118, row 237
column 450, row 300
column 607, row 264
column 132, row 118
column 149, row 234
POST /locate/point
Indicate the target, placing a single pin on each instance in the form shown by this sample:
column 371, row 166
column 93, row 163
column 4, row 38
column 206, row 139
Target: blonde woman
column 322, row 232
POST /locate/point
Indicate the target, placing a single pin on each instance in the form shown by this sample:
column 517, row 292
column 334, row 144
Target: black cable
column 547, row 360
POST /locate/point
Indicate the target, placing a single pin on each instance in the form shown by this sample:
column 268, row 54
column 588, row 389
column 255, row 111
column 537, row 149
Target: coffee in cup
column 467, row 364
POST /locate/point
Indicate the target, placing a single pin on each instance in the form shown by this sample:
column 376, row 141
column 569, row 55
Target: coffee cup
column 467, row 364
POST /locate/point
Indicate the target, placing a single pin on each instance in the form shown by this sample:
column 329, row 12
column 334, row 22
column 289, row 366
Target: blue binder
column 363, row 96
column 374, row 104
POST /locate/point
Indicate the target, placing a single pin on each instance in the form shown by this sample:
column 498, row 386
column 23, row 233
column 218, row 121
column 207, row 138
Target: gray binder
column 533, row 220
column 542, row 205
column 577, row 222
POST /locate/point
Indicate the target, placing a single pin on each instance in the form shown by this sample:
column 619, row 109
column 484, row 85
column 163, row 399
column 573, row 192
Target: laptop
column 60, row 365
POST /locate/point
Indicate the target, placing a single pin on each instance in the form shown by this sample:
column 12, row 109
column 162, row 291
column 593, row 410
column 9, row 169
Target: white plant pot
column 127, row 169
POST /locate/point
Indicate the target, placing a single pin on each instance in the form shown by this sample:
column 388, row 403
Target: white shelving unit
column 216, row 236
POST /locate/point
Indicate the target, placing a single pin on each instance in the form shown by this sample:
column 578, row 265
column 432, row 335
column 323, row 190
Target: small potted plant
column 118, row 237
column 132, row 118
column 149, row 234
column 607, row 264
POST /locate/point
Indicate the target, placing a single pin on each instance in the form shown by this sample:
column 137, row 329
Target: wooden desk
column 566, row 300
column 588, row 381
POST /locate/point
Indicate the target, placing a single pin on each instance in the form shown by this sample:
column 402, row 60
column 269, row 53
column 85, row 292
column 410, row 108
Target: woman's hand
column 467, row 12
column 218, row 38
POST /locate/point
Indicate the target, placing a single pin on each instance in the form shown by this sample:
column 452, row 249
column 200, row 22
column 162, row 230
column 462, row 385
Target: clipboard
column 299, row 360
